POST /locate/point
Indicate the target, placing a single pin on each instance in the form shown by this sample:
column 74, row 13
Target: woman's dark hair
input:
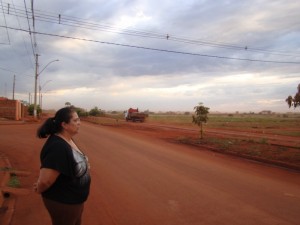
column 53, row 125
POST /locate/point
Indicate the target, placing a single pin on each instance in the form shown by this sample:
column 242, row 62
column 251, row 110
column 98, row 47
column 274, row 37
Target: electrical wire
column 6, row 69
column 47, row 17
column 33, row 25
column 155, row 49
column 27, row 17
column 1, row 68
column 5, row 22
column 79, row 23
column 23, row 39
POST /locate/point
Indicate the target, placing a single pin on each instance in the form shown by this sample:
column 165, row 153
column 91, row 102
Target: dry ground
column 281, row 150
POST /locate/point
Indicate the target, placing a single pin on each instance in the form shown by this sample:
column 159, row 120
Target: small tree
column 200, row 117
column 294, row 101
column 81, row 112
column 95, row 112
column 67, row 104
column 31, row 109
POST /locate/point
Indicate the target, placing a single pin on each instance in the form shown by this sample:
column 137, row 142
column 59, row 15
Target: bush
column 95, row 112
column 31, row 109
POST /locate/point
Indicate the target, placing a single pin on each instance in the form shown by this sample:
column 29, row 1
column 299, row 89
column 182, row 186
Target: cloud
column 116, row 69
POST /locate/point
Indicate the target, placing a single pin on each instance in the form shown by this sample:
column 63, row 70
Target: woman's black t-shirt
column 73, row 183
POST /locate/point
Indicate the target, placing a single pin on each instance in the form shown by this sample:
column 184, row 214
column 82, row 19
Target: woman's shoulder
column 56, row 142
column 55, row 138
column 55, row 148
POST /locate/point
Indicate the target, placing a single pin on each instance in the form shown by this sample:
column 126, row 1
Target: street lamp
column 40, row 94
column 41, row 101
column 40, row 89
column 35, row 82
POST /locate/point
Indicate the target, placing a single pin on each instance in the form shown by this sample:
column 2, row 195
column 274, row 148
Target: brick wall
column 11, row 109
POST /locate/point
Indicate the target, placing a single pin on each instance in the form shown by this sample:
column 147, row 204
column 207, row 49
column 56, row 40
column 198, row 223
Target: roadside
column 277, row 150
column 7, row 201
column 15, row 180
column 4, row 121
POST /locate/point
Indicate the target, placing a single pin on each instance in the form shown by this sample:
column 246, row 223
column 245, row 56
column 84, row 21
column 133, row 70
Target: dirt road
column 146, row 181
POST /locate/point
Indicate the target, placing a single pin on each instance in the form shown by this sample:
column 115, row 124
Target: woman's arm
column 46, row 178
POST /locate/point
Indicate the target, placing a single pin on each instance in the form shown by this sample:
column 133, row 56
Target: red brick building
column 11, row 109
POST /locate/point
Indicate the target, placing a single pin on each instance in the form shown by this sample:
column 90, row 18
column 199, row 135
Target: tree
column 95, row 112
column 200, row 117
column 31, row 109
column 81, row 112
column 295, row 102
column 67, row 104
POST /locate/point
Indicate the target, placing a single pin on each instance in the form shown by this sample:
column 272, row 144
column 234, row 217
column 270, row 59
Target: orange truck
column 134, row 115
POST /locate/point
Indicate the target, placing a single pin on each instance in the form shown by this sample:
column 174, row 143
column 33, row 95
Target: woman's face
column 73, row 126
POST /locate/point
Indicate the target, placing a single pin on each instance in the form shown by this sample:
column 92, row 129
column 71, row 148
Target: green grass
column 174, row 119
column 225, row 121
column 14, row 181
column 281, row 124
column 272, row 123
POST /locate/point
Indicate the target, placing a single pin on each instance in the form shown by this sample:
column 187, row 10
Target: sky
column 167, row 55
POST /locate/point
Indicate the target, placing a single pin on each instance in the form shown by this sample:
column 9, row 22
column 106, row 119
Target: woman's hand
column 46, row 178
column 35, row 187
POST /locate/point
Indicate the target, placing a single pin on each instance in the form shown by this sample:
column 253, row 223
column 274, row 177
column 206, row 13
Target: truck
column 134, row 115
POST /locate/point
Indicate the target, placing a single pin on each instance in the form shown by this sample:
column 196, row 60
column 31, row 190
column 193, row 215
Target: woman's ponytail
column 47, row 128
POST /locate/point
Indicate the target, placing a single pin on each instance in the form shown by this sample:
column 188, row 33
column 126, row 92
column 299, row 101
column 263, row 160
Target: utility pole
column 40, row 88
column 5, row 90
column 35, row 85
column 37, row 74
column 41, row 103
column 14, row 84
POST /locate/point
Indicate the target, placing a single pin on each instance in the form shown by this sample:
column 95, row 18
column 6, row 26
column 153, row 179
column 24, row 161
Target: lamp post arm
column 35, row 83
column 48, row 65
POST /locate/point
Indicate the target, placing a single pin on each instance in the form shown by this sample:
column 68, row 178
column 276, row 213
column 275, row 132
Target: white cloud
column 114, row 77
column 127, row 21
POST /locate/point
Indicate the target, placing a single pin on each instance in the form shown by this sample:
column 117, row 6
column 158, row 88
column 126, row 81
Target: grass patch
column 5, row 169
column 178, row 119
column 273, row 123
column 253, row 148
column 223, row 144
column 14, row 181
column 184, row 140
column 263, row 141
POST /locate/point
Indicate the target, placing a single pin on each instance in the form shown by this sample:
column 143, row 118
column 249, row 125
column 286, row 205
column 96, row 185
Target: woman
column 64, row 179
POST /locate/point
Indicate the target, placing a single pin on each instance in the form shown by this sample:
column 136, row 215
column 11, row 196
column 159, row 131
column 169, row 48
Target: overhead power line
column 1, row 68
column 5, row 22
column 6, row 70
column 25, row 45
column 48, row 17
column 154, row 49
column 27, row 17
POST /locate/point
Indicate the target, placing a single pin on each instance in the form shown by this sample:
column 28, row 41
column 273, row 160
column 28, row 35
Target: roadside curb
column 7, row 202
column 8, row 194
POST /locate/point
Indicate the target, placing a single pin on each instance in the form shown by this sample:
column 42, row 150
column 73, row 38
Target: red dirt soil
column 268, row 148
column 169, row 133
